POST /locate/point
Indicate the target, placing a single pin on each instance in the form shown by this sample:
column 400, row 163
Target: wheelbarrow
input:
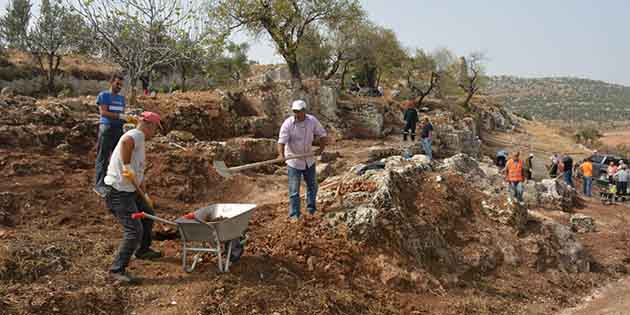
column 218, row 225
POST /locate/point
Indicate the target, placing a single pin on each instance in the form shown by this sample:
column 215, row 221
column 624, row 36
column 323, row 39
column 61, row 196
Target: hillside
column 567, row 99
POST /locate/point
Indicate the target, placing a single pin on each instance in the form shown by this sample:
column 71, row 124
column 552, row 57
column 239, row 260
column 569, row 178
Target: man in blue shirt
column 111, row 106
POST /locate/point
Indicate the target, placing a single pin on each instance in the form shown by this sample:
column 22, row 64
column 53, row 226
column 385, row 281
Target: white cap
column 298, row 105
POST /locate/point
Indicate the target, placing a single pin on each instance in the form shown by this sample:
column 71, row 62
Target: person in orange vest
column 515, row 175
column 587, row 172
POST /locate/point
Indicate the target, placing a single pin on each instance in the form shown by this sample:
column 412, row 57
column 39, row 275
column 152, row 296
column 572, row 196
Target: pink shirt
column 298, row 136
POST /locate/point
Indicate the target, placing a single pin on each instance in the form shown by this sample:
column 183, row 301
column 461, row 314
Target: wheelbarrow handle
column 143, row 215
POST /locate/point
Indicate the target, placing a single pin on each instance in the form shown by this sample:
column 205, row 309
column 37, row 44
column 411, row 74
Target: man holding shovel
column 125, row 195
column 296, row 137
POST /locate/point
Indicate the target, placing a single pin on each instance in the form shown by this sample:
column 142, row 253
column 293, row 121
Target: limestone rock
column 7, row 91
column 560, row 249
column 582, row 223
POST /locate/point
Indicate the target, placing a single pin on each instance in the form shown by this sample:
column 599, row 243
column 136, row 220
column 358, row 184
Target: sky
column 530, row 38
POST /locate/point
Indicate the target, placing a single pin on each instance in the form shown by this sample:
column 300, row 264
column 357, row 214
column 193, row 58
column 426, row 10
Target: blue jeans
column 426, row 146
column 516, row 189
column 108, row 137
column 295, row 177
column 588, row 184
column 568, row 178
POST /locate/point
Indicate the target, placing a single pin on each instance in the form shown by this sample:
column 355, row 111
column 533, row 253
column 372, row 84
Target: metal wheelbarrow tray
column 217, row 224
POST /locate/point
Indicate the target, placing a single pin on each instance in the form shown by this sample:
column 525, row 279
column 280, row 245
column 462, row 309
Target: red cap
column 151, row 117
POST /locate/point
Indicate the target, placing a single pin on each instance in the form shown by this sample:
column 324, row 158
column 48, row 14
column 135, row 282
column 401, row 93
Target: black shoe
column 148, row 254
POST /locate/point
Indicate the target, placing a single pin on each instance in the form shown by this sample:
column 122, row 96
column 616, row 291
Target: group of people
column 618, row 175
column 120, row 166
column 409, row 131
column 119, row 180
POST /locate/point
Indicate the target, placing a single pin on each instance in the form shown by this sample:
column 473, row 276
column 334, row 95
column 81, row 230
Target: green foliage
column 52, row 37
column 284, row 21
column 588, row 135
column 379, row 55
column 314, row 54
column 230, row 66
column 14, row 24
column 142, row 36
column 420, row 71
column 525, row 116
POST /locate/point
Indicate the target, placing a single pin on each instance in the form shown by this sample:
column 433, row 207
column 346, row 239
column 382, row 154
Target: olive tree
column 284, row 21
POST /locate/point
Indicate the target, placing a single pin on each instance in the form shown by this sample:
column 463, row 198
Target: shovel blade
column 222, row 169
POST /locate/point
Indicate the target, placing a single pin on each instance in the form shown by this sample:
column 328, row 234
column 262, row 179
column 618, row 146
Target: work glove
column 148, row 200
column 129, row 119
column 128, row 173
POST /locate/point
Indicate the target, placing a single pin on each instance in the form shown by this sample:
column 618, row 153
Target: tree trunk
column 467, row 101
column 343, row 75
column 333, row 69
column 370, row 76
column 132, row 86
column 296, row 77
column 50, row 74
column 183, row 73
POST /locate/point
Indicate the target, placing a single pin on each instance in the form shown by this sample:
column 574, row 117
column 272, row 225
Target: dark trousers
column 621, row 188
column 108, row 137
column 136, row 233
column 410, row 129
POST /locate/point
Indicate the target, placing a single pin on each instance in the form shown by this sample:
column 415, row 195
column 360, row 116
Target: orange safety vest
column 515, row 171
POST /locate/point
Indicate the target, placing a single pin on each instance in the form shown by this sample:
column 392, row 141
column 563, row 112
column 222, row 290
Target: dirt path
column 615, row 138
column 614, row 299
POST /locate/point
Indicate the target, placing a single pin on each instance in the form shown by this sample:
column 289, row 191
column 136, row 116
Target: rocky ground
column 412, row 237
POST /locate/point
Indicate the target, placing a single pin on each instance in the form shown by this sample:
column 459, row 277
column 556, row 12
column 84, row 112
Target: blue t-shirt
column 115, row 104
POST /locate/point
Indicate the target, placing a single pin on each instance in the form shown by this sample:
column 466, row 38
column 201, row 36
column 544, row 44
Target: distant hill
column 563, row 98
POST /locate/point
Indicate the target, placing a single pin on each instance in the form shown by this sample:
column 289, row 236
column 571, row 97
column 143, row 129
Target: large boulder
column 550, row 194
column 558, row 248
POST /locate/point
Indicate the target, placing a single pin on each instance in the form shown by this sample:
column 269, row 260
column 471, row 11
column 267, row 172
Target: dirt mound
column 186, row 177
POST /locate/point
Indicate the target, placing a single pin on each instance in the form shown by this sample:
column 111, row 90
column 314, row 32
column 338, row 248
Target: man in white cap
column 296, row 137
column 125, row 195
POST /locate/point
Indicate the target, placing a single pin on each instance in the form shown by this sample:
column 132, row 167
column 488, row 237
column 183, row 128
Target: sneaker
column 148, row 254
column 122, row 276
column 294, row 219
column 312, row 211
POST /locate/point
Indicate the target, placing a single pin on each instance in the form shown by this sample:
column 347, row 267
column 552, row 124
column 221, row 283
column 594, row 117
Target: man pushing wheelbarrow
column 125, row 196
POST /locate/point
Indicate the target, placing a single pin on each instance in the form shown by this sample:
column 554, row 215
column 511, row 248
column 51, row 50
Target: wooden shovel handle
column 257, row 164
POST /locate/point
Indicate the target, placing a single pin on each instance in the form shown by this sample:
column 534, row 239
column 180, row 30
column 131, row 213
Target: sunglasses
column 298, row 111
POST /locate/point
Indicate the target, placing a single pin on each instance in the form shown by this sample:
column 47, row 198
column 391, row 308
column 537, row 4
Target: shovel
column 226, row 172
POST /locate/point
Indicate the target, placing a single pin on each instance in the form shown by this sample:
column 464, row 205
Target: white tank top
column 114, row 176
